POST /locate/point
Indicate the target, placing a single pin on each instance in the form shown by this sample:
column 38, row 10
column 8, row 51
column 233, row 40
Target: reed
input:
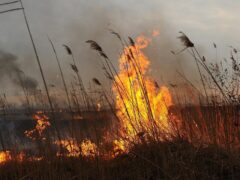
column 202, row 139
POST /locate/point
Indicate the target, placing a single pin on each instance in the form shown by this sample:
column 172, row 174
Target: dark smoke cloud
column 9, row 68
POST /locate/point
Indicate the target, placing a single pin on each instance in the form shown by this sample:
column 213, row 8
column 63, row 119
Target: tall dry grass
column 204, row 143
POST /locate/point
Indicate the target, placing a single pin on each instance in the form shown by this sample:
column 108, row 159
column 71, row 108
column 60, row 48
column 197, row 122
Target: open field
column 206, row 154
column 139, row 131
column 168, row 160
column 127, row 123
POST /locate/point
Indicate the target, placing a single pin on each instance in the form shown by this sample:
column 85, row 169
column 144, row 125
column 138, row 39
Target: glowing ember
column 99, row 106
column 89, row 149
column 119, row 147
column 42, row 123
column 20, row 157
column 142, row 105
column 86, row 148
column 72, row 148
column 5, row 156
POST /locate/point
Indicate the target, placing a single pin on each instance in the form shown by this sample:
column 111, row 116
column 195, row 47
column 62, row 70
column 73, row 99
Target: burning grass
column 163, row 160
column 151, row 135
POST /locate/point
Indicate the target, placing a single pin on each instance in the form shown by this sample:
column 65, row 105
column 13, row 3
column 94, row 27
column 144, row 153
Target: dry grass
column 204, row 143
column 176, row 159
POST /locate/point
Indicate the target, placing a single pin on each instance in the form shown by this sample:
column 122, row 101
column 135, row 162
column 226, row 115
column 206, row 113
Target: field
column 125, row 125
column 140, row 130
column 178, row 158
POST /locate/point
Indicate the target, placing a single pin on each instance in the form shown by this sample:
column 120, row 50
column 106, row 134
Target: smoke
column 9, row 68
column 84, row 20
column 162, row 60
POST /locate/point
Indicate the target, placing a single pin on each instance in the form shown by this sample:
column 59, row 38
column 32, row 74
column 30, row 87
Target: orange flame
column 5, row 156
column 142, row 105
column 99, row 106
column 42, row 123
column 72, row 148
column 119, row 147
column 89, row 149
column 86, row 148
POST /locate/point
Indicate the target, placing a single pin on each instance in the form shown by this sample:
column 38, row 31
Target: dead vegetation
column 150, row 137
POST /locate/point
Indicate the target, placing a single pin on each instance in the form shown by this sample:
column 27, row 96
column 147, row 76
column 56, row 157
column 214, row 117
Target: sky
column 72, row 22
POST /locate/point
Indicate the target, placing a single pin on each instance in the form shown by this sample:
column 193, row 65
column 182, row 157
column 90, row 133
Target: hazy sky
column 73, row 22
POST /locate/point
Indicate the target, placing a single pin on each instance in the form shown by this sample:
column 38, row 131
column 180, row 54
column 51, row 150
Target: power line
column 7, row 3
column 9, row 10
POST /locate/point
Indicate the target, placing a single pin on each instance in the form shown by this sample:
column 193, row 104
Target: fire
column 142, row 108
column 142, row 105
column 5, row 156
column 72, row 148
column 86, row 148
column 20, row 156
column 99, row 106
column 89, row 149
column 119, row 147
column 42, row 123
